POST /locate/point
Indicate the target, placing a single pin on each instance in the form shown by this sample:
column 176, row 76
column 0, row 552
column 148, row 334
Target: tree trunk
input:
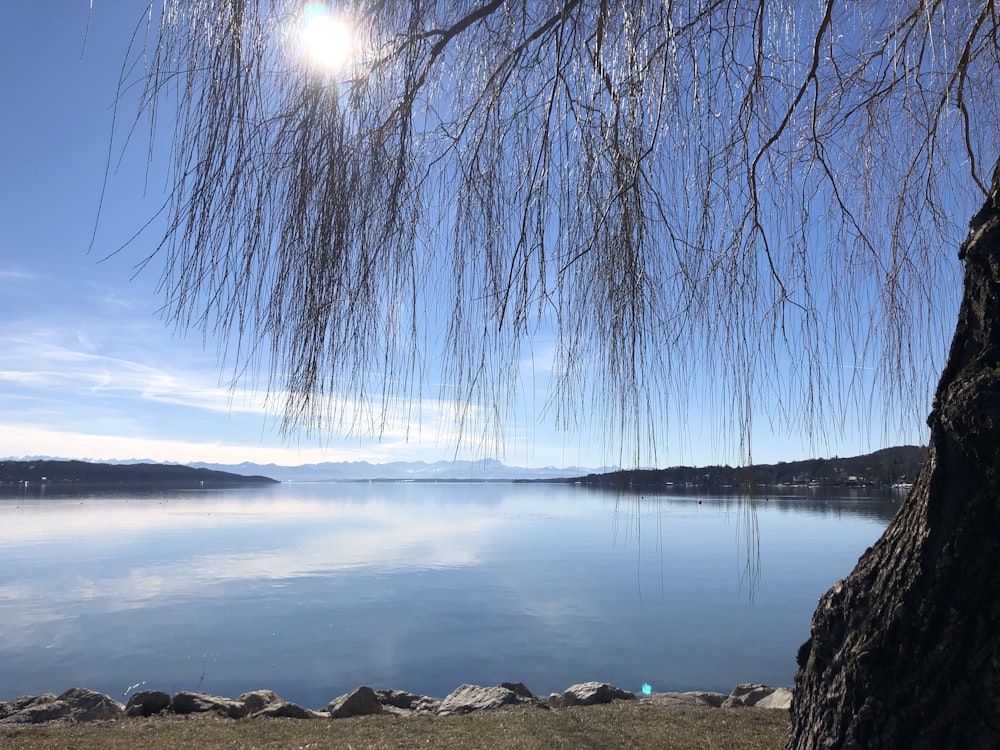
column 905, row 652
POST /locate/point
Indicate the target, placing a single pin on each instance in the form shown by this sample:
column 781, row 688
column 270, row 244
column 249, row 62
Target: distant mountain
column 883, row 468
column 485, row 470
column 55, row 472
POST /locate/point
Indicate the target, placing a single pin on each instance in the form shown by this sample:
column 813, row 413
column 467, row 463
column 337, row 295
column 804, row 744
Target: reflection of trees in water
column 878, row 504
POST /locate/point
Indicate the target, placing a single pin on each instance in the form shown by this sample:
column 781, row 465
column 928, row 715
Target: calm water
column 313, row 589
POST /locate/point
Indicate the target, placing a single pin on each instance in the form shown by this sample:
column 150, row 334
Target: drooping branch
column 643, row 187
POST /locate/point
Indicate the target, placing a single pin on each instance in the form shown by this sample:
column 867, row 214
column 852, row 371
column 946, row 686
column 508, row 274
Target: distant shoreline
column 894, row 468
column 74, row 474
column 884, row 469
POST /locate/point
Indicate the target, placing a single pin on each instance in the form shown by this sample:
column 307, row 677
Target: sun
column 325, row 39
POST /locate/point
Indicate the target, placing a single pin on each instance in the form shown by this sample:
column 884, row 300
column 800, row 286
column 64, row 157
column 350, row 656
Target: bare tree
column 760, row 191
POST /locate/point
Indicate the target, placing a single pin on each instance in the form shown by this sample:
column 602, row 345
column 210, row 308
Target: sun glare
column 325, row 38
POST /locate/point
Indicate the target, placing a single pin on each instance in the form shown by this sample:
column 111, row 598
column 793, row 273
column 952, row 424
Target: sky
column 88, row 366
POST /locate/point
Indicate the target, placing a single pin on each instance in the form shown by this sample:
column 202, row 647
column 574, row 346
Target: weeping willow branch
column 754, row 191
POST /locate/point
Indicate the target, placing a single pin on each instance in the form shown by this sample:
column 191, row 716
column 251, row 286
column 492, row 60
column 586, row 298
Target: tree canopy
column 764, row 193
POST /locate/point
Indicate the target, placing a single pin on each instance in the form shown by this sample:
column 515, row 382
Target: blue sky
column 89, row 369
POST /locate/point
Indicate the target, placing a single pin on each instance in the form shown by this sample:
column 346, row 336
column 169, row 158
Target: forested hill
column 85, row 472
column 880, row 469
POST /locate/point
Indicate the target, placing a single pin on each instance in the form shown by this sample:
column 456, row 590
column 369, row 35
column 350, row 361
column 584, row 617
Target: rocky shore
column 80, row 705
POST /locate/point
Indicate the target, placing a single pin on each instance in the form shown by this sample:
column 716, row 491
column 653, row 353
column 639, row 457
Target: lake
column 313, row 589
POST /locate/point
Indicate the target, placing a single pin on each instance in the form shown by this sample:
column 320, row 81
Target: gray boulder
column 589, row 694
column 714, row 700
column 747, row 694
column 467, row 698
column 258, row 700
column 147, row 703
column 11, row 707
column 196, row 703
column 88, row 705
column 267, row 704
column 525, row 696
column 359, row 702
column 519, row 688
column 285, row 710
column 76, row 705
column 781, row 698
column 34, row 709
column 689, row 699
column 407, row 701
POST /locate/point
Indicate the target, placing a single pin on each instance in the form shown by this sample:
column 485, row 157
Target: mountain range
column 484, row 470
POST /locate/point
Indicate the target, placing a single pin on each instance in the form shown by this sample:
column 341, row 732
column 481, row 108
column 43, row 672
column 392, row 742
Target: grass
column 631, row 724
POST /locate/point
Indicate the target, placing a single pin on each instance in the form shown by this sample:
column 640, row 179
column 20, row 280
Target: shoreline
column 81, row 705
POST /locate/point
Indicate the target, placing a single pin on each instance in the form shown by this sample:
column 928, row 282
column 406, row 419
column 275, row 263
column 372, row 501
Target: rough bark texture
column 905, row 652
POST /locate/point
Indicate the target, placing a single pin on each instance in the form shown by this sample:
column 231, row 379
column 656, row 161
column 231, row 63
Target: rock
column 147, row 703
column 467, row 698
column 750, row 693
column 35, row 709
column 407, row 701
column 76, row 704
column 426, row 705
column 524, row 695
column 194, row 703
column 11, row 707
column 38, row 713
column 589, row 694
column 360, row 702
column 267, row 704
column 781, row 698
column 690, row 699
column 82, row 705
column 258, row 700
column 285, row 710
column 518, row 688
column 88, row 705
column 708, row 698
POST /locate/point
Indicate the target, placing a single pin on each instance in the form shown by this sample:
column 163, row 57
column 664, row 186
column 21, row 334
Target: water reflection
column 880, row 504
column 313, row 589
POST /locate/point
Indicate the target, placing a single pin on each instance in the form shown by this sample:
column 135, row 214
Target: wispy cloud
column 116, row 388
column 19, row 439
column 16, row 274
column 71, row 368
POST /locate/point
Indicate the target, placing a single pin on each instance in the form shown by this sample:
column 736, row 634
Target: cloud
column 82, row 363
column 104, row 388
column 39, row 363
column 20, row 439
column 16, row 274
column 117, row 302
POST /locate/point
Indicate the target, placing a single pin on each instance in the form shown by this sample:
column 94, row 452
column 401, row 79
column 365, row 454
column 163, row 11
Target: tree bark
column 905, row 652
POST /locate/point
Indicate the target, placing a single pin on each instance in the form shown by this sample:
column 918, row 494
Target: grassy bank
column 630, row 724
